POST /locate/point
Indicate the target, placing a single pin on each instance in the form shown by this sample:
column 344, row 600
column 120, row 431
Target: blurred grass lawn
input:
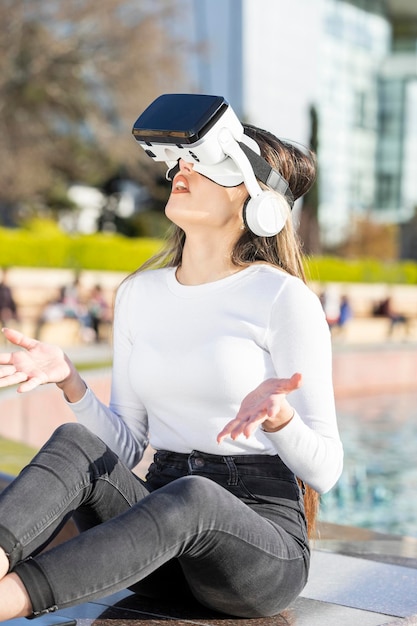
column 14, row 456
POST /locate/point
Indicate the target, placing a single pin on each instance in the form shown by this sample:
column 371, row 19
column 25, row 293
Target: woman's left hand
column 267, row 405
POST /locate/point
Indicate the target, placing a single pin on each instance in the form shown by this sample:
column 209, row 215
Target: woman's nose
column 185, row 166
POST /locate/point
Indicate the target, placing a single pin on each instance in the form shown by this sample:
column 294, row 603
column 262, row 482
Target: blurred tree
column 74, row 75
column 370, row 239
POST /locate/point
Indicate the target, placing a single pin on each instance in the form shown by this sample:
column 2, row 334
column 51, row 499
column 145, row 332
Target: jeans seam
column 233, row 480
column 45, row 522
column 117, row 487
column 260, row 548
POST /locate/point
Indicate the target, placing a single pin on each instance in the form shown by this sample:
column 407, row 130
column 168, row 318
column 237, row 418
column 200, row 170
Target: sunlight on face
column 196, row 201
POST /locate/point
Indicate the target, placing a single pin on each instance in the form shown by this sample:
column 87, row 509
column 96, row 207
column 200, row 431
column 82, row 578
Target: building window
column 359, row 104
column 385, row 191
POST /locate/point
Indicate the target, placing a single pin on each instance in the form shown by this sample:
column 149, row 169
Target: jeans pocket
column 161, row 473
column 270, row 490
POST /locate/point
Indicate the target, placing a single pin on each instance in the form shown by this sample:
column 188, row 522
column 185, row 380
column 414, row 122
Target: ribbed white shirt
column 186, row 356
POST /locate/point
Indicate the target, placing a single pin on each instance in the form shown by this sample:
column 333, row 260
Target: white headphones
column 264, row 212
column 205, row 131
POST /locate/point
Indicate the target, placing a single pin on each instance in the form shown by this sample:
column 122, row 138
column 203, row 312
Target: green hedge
column 44, row 245
column 334, row 269
column 52, row 249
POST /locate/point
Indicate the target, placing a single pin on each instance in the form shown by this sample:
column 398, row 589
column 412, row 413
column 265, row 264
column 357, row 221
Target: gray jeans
column 229, row 530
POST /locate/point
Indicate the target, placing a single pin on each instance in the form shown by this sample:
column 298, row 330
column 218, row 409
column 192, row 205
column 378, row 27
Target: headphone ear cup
column 266, row 214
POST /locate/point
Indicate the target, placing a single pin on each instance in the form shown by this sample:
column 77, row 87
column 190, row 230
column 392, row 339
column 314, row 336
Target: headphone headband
column 267, row 174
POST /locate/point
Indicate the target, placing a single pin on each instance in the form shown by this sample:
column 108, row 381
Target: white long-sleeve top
column 186, row 356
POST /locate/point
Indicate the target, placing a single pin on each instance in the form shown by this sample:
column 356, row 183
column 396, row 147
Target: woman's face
column 196, row 201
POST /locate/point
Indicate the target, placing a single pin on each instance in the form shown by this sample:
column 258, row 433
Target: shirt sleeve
column 299, row 340
column 123, row 425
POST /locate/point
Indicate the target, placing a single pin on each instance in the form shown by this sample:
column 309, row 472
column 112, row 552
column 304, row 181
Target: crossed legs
column 232, row 559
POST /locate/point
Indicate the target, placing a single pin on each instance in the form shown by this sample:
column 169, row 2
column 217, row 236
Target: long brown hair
column 298, row 167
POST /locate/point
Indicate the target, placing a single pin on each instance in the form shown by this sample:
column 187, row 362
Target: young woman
column 222, row 360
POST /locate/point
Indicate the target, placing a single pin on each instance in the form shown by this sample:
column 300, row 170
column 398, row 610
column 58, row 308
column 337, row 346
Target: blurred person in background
column 385, row 309
column 344, row 317
column 8, row 306
column 98, row 310
column 69, row 304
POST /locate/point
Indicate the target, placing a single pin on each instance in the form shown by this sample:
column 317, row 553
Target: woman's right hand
column 37, row 363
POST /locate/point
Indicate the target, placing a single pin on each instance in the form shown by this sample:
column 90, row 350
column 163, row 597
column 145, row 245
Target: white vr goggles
column 205, row 131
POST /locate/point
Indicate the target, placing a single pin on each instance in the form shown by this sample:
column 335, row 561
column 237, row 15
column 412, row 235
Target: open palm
column 260, row 404
column 36, row 363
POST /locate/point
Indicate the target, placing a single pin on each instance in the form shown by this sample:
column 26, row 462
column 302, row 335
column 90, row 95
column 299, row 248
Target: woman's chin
column 183, row 217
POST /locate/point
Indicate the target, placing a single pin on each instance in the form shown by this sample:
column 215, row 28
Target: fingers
column 239, row 426
column 10, row 376
column 14, row 378
column 7, row 370
column 29, row 384
column 19, row 339
column 256, row 408
column 296, row 380
column 286, row 385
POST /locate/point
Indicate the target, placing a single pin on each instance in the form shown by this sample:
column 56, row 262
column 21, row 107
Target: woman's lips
column 180, row 184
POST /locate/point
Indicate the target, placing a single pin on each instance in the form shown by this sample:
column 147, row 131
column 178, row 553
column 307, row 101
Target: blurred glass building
column 353, row 61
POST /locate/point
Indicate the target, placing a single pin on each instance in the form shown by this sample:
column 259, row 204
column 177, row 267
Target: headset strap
column 267, row 174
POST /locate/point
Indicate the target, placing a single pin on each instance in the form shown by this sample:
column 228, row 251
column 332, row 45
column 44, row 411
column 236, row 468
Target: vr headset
column 204, row 130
